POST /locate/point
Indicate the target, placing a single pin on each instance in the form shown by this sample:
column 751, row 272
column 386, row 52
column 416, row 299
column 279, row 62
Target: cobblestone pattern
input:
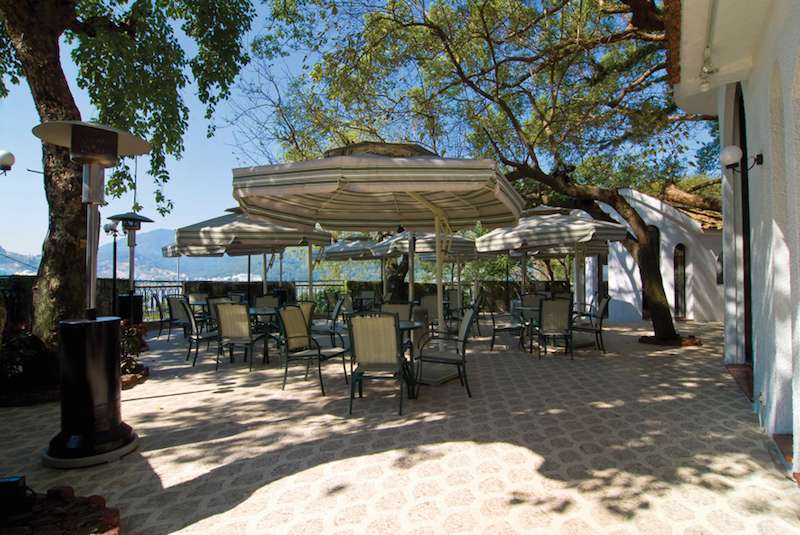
column 640, row 440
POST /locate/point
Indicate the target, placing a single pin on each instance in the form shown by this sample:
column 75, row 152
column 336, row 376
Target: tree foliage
column 137, row 58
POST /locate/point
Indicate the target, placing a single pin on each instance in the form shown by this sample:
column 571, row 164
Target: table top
column 263, row 311
column 410, row 325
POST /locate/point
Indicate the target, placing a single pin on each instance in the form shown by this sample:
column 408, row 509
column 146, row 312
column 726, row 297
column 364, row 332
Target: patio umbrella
column 550, row 229
column 239, row 235
column 378, row 186
column 357, row 248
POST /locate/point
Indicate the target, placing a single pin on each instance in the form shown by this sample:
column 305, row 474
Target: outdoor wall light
column 6, row 161
column 731, row 155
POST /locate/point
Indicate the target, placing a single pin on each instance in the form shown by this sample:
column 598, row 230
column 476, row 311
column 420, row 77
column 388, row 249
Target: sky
column 200, row 184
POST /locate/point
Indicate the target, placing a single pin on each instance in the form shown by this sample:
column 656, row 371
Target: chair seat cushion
column 441, row 357
column 325, row 352
column 255, row 337
column 207, row 335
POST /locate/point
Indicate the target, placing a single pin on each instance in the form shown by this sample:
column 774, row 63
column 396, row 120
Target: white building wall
column 772, row 104
column 704, row 297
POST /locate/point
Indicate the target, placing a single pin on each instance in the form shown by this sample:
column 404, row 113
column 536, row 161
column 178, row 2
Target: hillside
column 150, row 265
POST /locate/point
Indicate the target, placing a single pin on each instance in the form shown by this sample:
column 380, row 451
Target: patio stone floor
column 640, row 440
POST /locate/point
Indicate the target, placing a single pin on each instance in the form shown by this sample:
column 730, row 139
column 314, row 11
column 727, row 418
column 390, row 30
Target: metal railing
column 319, row 288
column 153, row 292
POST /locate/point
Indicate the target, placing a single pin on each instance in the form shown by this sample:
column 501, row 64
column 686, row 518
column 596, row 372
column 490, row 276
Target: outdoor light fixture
column 6, row 161
column 131, row 223
column 92, row 431
column 111, row 230
column 731, row 156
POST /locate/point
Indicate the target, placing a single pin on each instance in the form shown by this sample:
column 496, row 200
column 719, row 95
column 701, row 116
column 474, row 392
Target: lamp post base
column 92, row 430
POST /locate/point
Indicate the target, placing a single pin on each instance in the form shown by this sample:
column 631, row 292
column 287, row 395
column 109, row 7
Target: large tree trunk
column 648, row 257
column 397, row 286
column 59, row 290
column 645, row 252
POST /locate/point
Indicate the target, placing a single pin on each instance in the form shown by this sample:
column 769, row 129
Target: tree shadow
column 621, row 431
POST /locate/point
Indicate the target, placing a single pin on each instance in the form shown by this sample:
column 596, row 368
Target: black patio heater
column 92, row 430
column 131, row 223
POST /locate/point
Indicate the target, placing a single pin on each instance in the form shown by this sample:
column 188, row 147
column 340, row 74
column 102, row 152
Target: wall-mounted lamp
column 731, row 156
column 6, row 161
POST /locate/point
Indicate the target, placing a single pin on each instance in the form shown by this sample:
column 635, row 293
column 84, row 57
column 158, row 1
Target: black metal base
column 92, row 430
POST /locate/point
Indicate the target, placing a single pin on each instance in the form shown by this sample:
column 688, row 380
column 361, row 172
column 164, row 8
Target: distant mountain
column 20, row 264
column 151, row 265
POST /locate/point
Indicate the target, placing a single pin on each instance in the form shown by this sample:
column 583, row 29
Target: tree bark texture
column 35, row 29
column 396, row 280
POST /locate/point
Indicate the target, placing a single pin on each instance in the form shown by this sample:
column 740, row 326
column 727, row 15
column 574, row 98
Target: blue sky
column 200, row 184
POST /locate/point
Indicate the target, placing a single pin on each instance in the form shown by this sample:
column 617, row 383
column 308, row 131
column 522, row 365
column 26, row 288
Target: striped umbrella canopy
column 237, row 231
column 351, row 248
column 400, row 243
column 365, row 188
column 378, row 186
column 548, row 231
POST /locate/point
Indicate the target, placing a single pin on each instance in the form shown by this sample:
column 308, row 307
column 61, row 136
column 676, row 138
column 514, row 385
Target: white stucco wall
column 772, row 103
column 703, row 295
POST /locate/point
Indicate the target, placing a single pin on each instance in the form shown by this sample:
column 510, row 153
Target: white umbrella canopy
column 351, row 248
column 236, row 228
column 547, row 230
column 378, row 186
column 362, row 188
column 400, row 243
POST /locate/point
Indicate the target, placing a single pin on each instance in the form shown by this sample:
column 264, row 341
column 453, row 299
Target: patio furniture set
column 378, row 340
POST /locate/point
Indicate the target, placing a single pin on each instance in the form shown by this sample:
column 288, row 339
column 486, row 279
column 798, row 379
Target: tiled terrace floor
column 641, row 440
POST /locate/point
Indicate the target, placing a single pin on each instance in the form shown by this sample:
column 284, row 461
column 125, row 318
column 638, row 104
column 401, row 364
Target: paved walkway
column 641, row 440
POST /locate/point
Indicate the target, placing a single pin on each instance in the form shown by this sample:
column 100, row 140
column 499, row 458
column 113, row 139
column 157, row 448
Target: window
column 679, row 265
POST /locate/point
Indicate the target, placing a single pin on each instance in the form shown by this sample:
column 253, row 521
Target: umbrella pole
column 179, row 269
column 383, row 276
column 248, row 280
column 264, row 274
column 439, row 286
column 580, row 279
column 280, row 271
column 310, row 273
column 524, row 271
column 412, row 252
column 458, row 284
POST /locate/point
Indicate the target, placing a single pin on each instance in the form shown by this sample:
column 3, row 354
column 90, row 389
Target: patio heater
column 92, row 430
column 131, row 223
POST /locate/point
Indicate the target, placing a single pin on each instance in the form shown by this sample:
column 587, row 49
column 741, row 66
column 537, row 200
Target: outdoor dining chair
column 330, row 326
column 179, row 316
column 429, row 304
column 197, row 336
column 235, row 331
column 403, row 310
column 592, row 322
column 212, row 310
column 555, row 321
column 505, row 322
column 299, row 346
column 457, row 356
column 165, row 319
column 375, row 352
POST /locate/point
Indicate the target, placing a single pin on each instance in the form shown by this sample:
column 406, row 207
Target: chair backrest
column 197, row 298
column 464, row 329
column 336, row 310
column 555, row 315
column 452, row 295
column 294, row 327
column 236, row 297
column 163, row 307
column 307, row 308
column 602, row 308
column 403, row 310
column 187, row 312
column 428, row 303
column 347, row 303
column 212, row 307
column 375, row 339
column 267, row 301
column 234, row 322
column 176, row 310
